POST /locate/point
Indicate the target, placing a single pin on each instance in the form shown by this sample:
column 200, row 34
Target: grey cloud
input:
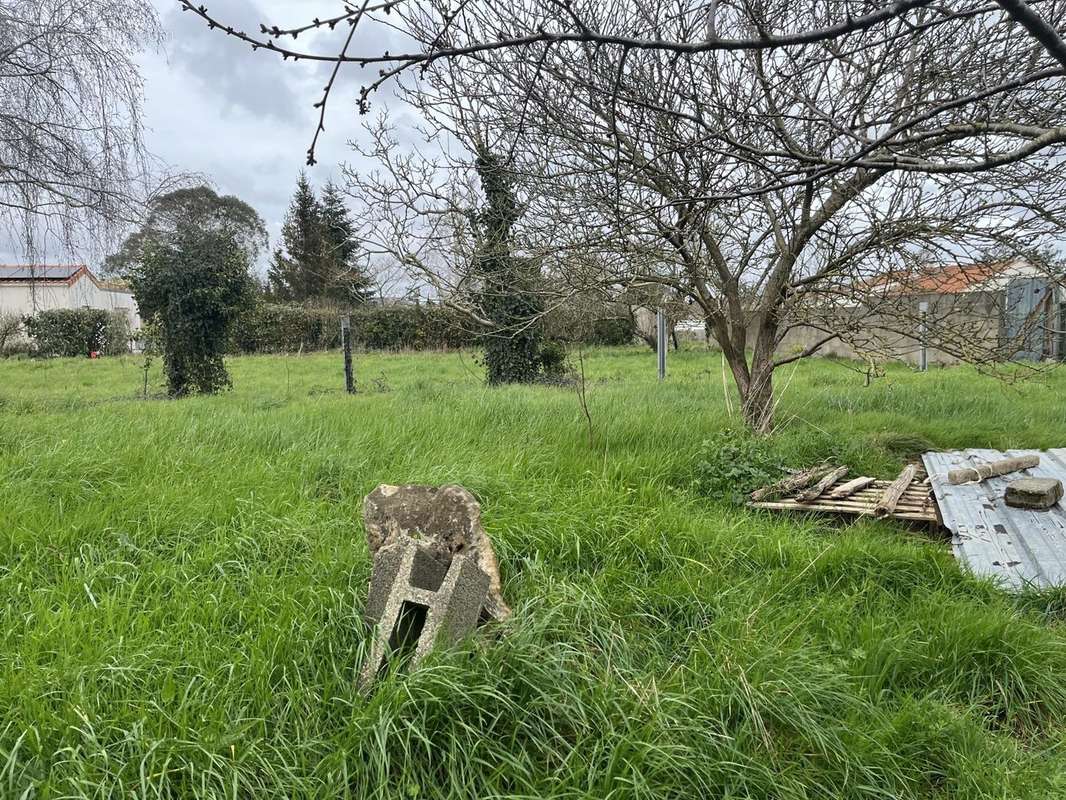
column 244, row 119
column 257, row 83
column 224, row 121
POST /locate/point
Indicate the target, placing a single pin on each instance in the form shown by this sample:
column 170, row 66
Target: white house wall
column 18, row 298
column 27, row 299
column 85, row 292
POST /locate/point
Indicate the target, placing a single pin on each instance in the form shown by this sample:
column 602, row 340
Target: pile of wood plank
column 826, row 488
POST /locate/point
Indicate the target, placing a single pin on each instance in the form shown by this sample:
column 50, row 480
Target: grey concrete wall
column 970, row 323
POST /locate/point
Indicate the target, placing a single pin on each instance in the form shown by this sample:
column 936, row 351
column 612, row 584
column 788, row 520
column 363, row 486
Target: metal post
column 660, row 341
column 923, row 359
column 346, row 343
column 1062, row 332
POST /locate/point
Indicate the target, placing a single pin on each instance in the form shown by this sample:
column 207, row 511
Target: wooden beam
column 816, row 491
column 890, row 499
column 991, row 469
column 849, row 488
column 790, row 483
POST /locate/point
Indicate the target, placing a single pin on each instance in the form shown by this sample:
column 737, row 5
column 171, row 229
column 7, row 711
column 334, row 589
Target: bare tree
column 454, row 220
column 414, row 212
column 771, row 161
column 642, row 172
column 71, row 156
column 608, row 31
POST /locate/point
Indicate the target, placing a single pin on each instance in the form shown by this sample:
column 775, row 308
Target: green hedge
column 612, row 331
column 590, row 321
column 77, row 332
column 268, row 328
column 272, row 328
column 276, row 328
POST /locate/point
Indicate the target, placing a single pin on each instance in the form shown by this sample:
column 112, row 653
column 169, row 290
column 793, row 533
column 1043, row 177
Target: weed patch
column 732, row 463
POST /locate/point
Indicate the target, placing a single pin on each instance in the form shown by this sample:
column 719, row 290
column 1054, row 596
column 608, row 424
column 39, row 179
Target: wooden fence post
column 346, row 343
column 923, row 329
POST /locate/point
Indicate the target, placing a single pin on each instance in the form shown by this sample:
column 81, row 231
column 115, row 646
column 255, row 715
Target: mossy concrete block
column 446, row 520
column 1034, row 493
column 417, row 600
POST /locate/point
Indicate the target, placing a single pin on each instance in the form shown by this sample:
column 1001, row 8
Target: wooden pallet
column 916, row 504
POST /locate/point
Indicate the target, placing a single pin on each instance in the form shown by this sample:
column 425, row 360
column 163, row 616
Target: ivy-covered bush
column 77, row 332
column 188, row 266
column 274, row 328
column 553, row 365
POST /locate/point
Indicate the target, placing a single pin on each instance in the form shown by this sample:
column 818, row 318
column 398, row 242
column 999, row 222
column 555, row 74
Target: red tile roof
column 950, row 279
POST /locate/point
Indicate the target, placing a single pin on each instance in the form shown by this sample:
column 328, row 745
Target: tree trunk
column 757, row 398
column 755, row 381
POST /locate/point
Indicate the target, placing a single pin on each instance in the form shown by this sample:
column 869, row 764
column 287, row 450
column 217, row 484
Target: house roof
column 41, row 273
column 955, row 278
column 952, row 278
column 55, row 275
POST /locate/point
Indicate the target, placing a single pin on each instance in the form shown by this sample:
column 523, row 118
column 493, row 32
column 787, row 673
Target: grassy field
column 181, row 585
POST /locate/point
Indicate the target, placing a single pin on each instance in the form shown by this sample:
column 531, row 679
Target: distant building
column 26, row 289
column 1011, row 306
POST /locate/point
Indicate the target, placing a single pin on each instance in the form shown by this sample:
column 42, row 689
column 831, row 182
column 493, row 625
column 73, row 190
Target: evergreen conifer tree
column 348, row 283
column 296, row 270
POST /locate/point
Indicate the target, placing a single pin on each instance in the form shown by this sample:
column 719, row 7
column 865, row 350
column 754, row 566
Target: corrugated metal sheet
column 38, row 273
column 1017, row 547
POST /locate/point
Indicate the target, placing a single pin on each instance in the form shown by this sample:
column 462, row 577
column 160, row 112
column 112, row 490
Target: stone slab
column 1038, row 494
column 444, row 519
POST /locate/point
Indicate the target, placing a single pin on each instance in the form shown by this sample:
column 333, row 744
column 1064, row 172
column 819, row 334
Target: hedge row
column 78, row 332
column 272, row 328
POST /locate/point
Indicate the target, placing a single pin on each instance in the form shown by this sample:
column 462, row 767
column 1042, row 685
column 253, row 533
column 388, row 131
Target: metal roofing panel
column 1015, row 546
column 23, row 272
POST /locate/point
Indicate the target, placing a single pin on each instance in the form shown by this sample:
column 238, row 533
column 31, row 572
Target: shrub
column 445, row 329
column 70, row 332
column 273, row 328
column 411, row 327
column 116, row 334
column 553, row 360
column 612, row 332
column 194, row 282
column 733, row 463
column 10, row 326
column 396, row 328
column 590, row 321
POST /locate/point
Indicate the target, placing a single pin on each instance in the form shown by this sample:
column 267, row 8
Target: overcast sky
column 244, row 119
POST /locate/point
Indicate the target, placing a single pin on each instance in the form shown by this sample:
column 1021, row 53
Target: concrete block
column 418, row 600
column 444, row 519
column 1035, row 493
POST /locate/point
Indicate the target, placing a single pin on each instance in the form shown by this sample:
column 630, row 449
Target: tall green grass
column 181, row 587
